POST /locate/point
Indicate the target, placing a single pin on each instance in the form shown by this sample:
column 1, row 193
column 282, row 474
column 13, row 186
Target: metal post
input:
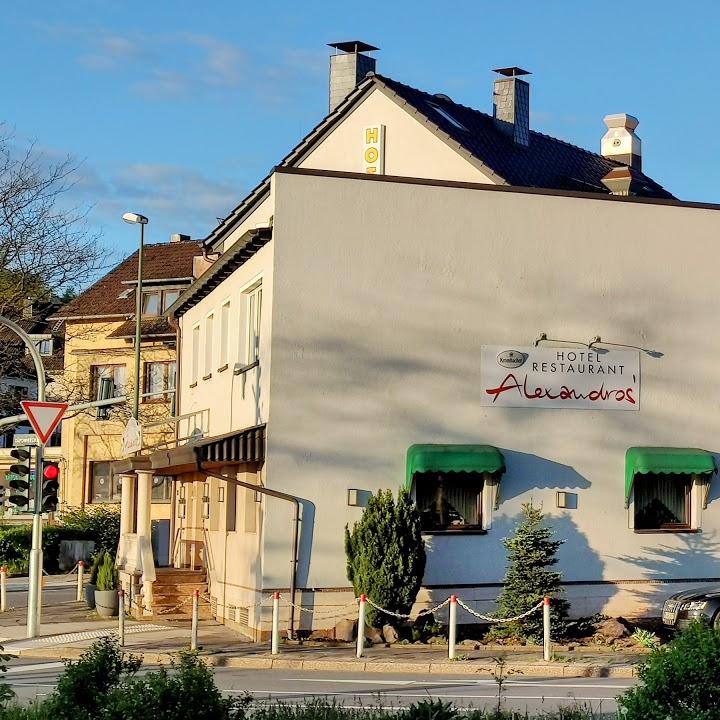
column 3, row 588
column 81, row 581
column 452, row 627
column 121, row 617
column 275, row 637
column 138, row 317
column 361, row 626
column 194, row 625
column 546, row 629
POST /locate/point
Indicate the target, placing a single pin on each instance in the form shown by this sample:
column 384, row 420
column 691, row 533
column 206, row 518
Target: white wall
column 411, row 149
column 384, row 294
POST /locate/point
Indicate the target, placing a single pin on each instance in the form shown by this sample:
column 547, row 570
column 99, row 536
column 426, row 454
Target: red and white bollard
column 121, row 617
column 361, row 626
column 546, row 629
column 275, row 633
column 195, row 620
column 81, row 580
column 3, row 588
column 452, row 627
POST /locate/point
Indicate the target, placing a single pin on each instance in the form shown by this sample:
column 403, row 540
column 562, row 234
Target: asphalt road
column 52, row 594
column 32, row 677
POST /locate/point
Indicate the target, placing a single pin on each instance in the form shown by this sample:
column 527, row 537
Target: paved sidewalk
column 69, row 629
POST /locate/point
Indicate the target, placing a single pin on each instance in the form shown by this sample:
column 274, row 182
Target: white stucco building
column 425, row 295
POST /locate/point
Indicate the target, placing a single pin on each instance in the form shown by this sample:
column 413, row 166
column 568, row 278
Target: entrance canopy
column 668, row 460
column 452, row 458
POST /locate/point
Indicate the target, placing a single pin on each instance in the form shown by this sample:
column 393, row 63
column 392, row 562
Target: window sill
column 665, row 531
column 469, row 531
column 207, row 377
column 193, row 384
column 223, row 368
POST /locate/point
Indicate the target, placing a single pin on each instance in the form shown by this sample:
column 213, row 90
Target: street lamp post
column 137, row 219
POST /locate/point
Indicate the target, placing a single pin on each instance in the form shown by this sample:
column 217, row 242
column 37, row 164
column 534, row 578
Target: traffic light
column 50, row 485
column 20, row 483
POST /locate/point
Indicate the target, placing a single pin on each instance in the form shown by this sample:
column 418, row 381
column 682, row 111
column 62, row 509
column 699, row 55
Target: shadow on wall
column 526, row 472
column 483, row 560
column 691, row 556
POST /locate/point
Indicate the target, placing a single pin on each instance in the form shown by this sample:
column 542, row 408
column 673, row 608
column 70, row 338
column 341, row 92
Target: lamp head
column 130, row 217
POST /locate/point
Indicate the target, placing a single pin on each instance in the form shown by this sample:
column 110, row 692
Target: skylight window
column 445, row 114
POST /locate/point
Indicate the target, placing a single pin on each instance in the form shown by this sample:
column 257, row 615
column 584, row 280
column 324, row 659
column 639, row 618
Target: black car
column 685, row 607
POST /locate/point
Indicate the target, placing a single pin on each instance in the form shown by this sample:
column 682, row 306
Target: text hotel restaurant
column 421, row 293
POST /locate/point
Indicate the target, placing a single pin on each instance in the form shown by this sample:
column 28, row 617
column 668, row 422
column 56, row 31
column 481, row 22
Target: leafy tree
column 386, row 554
column 680, row 681
column 531, row 554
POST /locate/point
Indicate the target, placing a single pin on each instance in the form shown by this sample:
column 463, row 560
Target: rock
column 611, row 629
column 390, row 634
column 470, row 644
column 374, row 635
column 437, row 640
column 345, row 630
column 319, row 635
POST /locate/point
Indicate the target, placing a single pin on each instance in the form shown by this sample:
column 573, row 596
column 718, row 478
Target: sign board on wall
column 592, row 379
column 374, row 149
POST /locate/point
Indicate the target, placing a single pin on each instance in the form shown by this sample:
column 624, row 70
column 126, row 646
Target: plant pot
column 90, row 596
column 106, row 602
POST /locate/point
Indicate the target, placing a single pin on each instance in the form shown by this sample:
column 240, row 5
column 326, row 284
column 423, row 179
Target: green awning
column 676, row 461
column 452, row 458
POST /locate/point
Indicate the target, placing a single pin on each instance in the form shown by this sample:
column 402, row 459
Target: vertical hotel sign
column 591, row 379
column 374, row 149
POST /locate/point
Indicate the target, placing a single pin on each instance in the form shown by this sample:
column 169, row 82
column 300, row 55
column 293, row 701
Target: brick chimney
column 511, row 104
column 348, row 67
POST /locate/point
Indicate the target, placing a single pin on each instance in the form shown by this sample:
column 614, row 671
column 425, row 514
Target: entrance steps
column 173, row 591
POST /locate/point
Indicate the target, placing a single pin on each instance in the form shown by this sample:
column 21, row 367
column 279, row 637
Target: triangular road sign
column 44, row 416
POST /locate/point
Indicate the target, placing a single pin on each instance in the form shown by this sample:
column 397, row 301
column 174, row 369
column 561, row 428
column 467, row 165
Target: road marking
column 469, row 683
column 34, row 668
column 78, row 636
column 508, row 698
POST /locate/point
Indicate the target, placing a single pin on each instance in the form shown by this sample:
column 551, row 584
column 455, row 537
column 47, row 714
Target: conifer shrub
column 680, row 681
column 107, row 576
column 532, row 551
column 386, row 554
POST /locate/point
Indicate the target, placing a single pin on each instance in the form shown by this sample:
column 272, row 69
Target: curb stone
column 472, row 667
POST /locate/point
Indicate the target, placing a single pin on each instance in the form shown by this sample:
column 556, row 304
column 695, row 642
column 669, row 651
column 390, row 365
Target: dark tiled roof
column 546, row 162
column 161, row 261
column 149, row 327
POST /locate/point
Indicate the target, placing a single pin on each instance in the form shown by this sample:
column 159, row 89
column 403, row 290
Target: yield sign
column 44, row 417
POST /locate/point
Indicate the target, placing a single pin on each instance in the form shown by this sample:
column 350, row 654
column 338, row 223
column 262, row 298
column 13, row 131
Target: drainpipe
column 296, row 525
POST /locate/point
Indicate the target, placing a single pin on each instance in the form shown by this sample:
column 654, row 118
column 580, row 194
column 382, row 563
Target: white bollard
column 361, row 626
column 275, row 635
column 81, row 580
column 121, row 617
column 546, row 629
column 195, row 618
column 3, row 588
column 452, row 627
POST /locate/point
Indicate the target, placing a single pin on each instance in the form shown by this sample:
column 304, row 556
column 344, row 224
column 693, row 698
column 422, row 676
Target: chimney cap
column 512, row 71
column 353, row 46
column 622, row 120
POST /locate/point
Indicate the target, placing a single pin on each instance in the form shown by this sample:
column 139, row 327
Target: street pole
column 35, row 570
column 138, row 315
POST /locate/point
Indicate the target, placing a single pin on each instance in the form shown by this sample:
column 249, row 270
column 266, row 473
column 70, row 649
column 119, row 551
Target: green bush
column 107, row 577
column 386, row 554
column 531, row 554
column 680, row 681
column 100, row 523
column 95, row 567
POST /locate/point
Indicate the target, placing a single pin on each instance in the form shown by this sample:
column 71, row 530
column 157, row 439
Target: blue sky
column 177, row 109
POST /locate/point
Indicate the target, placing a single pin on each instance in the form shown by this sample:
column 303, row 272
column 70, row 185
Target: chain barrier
column 487, row 618
column 167, row 611
column 403, row 616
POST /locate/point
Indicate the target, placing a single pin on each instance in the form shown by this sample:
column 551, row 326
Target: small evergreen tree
column 531, row 552
column 386, row 554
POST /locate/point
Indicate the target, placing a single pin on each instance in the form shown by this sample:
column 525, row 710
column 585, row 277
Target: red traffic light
column 51, row 472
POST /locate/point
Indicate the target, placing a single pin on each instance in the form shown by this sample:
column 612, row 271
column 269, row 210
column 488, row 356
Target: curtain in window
column 450, row 500
column 660, row 500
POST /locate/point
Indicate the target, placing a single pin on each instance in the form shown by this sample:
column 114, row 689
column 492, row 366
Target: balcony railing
column 187, row 428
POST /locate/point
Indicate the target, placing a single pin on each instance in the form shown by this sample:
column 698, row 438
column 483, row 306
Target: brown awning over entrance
column 242, row 447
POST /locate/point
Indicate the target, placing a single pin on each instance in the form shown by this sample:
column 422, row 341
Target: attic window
column 445, row 114
column 125, row 294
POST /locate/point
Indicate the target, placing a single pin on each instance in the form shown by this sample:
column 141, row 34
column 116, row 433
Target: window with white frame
column 209, row 323
column 254, row 315
column 194, row 365
column 224, row 331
